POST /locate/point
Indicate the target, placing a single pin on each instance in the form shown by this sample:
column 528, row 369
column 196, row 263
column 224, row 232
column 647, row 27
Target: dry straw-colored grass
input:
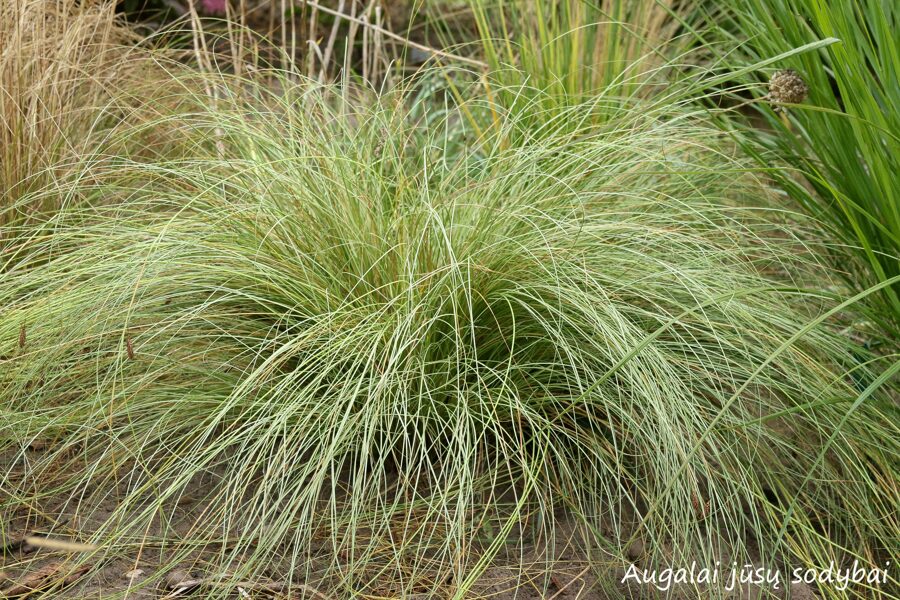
column 62, row 63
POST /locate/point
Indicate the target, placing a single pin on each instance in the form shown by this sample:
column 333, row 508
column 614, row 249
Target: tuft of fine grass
column 381, row 359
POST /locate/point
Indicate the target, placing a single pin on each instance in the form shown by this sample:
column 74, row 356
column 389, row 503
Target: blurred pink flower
column 213, row 7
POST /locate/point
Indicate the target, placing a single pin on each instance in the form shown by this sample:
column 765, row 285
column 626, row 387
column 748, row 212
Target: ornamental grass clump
column 382, row 371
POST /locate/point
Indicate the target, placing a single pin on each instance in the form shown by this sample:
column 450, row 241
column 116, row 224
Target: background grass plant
column 59, row 62
column 548, row 57
column 841, row 145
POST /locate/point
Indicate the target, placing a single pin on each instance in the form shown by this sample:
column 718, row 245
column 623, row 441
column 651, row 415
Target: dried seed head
column 22, row 338
column 787, row 87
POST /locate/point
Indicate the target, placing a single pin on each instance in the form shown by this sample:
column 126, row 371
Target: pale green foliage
column 373, row 347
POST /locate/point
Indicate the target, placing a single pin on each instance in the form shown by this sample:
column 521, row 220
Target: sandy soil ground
column 143, row 571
